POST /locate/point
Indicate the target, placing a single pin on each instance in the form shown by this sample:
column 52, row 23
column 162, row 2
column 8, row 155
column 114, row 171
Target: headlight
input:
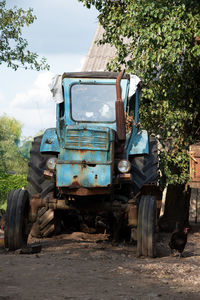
column 51, row 163
column 124, row 166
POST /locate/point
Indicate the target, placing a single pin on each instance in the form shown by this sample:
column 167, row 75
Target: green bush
column 9, row 182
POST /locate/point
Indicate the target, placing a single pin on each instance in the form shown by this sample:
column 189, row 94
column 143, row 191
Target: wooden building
column 194, row 153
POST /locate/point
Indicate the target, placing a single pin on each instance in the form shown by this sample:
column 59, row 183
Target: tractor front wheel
column 146, row 230
column 16, row 226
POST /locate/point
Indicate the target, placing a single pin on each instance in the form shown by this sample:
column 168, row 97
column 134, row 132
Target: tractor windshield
column 93, row 102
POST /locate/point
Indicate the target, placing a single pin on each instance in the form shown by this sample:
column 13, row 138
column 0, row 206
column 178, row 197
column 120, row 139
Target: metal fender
column 139, row 143
column 50, row 141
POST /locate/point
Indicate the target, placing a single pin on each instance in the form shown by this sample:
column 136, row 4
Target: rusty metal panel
column 86, row 158
column 75, row 175
column 90, row 144
column 87, row 138
column 86, row 191
column 84, row 155
column 194, row 153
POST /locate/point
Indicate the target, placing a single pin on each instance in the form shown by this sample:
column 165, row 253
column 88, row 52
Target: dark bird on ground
column 178, row 239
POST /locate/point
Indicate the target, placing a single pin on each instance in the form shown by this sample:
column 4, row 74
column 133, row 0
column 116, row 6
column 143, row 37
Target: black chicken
column 178, row 239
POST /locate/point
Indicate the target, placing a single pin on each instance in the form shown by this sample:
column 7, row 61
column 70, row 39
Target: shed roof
column 98, row 55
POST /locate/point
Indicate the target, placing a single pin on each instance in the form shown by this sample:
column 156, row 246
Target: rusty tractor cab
column 97, row 166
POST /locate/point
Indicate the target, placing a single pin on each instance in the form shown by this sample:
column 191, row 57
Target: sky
column 62, row 33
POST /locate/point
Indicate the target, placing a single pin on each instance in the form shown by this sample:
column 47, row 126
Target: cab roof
column 97, row 75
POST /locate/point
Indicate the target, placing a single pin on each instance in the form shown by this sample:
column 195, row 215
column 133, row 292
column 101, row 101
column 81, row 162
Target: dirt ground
column 86, row 266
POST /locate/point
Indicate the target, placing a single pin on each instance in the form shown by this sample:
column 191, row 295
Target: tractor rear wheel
column 146, row 230
column 16, row 225
column 145, row 167
column 38, row 184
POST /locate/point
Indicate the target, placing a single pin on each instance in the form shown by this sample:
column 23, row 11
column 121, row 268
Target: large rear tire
column 16, row 225
column 146, row 230
column 38, row 184
column 145, row 167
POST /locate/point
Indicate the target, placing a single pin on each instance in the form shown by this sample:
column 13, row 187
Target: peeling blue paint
column 86, row 149
column 139, row 143
column 80, row 175
column 86, row 154
column 50, row 141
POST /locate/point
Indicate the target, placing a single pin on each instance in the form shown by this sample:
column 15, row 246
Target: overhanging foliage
column 13, row 47
column 158, row 40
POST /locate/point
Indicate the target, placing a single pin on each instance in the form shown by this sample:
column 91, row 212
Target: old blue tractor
column 97, row 168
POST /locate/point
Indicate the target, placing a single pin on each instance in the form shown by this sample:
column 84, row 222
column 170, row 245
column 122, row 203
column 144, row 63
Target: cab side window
column 62, row 106
column 132, row 106
column 61, row 110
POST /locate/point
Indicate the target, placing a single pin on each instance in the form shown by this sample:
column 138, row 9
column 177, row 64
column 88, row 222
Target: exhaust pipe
column 120, row 117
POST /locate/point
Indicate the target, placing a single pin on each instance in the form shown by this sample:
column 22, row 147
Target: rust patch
column 120, row 120
column 35, row 203
column 120, row 117
column 85, row 191
column 75, row 182
column 118, row 87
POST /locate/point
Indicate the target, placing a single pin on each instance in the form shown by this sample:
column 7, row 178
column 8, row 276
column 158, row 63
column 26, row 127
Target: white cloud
column 82, row 61
column 29, row 100
column 67, row 62
column 64, row 41
column 2, row 99
column 35, row 107
column 38, row 93
column 67, row 27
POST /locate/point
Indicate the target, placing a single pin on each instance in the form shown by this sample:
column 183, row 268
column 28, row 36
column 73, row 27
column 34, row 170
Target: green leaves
column 14, row 154
column 10, row 149
column 13, row 48
column 9, row 182
column 155, row 39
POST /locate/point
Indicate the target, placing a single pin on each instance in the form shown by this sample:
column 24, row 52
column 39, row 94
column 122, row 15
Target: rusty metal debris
column 31, row 249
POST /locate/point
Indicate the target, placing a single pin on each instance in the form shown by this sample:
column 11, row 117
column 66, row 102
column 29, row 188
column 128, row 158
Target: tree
column 13, row 167
column 10, row 156
column 13, row 47
column 14, row 154
column 25, row 147
column 159, row 41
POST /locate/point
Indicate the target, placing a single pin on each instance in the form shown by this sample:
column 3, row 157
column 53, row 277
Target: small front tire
column 16, row 225
column 146, row 230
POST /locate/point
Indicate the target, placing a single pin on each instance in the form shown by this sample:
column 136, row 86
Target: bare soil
column 87, row 266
